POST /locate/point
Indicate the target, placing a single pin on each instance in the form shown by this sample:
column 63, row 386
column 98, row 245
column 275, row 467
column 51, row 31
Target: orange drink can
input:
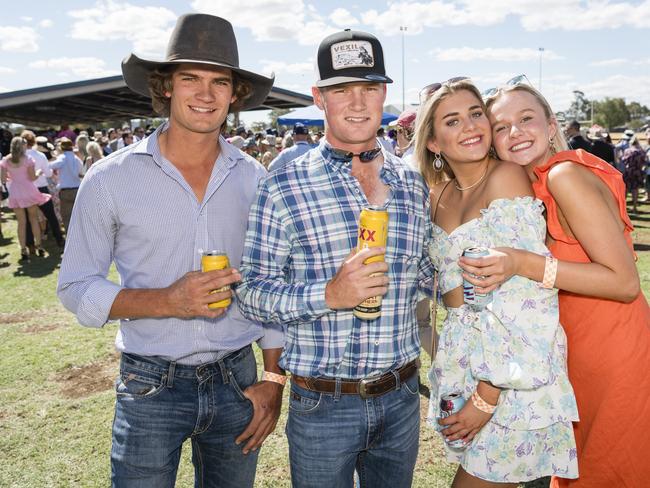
column 373, row 232
column 211, row 260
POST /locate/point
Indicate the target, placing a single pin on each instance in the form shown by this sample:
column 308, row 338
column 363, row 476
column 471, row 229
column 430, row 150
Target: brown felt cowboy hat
column 203, row 39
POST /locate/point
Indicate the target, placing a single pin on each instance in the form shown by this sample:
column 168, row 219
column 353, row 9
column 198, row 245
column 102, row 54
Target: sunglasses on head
column 346, row 156
column 514, row 81
column 429, row 90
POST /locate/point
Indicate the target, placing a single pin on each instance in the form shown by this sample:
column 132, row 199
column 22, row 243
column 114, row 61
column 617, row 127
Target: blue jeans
column 161, row 404
column 329, row 436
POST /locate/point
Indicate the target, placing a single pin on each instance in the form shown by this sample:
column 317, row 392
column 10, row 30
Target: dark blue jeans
column 330, row 436
column 161, row 404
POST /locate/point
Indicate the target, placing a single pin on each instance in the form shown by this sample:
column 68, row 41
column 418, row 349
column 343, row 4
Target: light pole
column 541, row 55
column 402, row 29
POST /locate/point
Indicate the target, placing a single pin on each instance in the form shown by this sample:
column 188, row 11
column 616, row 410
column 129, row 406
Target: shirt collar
column 388, row 172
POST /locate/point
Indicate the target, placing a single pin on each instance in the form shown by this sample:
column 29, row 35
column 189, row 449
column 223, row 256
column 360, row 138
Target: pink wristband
column 550, row 272
column 481, row 404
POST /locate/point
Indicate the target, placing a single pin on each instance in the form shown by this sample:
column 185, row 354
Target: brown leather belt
column 366, row 387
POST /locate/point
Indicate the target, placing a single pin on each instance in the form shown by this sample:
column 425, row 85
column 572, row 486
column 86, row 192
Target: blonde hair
column 82, row 145
column 17, row 149
column 558, row 142
column 424, row 130
column 94, row 151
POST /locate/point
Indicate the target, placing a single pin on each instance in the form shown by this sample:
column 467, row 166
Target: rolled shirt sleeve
column 83, row 287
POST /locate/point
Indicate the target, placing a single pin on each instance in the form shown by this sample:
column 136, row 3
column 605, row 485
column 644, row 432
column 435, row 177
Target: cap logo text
column 352, row 54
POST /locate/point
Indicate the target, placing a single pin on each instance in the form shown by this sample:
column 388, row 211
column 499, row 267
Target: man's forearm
column 271, row 358
column 140, row 303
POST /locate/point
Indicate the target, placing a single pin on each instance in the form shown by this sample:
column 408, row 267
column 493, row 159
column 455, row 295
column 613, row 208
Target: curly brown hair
column 160, row 82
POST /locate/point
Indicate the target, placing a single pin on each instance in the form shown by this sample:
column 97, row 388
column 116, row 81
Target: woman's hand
column 465, row 424
column 492, row 270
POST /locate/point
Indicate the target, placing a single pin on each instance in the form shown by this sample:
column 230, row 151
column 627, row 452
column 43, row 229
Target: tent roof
column 312, row 115
column 100, row 100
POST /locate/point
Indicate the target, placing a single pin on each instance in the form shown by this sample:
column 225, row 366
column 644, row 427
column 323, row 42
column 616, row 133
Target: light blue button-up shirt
column 70, row 167
column 289, row 154
column 134, row 208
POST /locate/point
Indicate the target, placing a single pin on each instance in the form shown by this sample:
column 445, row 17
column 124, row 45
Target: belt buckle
column 363, row 383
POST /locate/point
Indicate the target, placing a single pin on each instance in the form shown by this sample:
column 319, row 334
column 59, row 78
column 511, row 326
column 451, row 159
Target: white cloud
column 276, row 20
column 4, row 89
column 26, row 19
column 280, row 67
column 610, row 62
column 18, row 39
column 570, row 15
column 491, row 54
column 83, row 67
column 45, row 23
column 6, row 71
column 148, row 28
column 343, row 18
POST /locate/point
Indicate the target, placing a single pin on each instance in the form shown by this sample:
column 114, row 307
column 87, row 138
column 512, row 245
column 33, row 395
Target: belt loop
column 170, row 374
column 398, row 383
column 224, row 371
column 337, row 389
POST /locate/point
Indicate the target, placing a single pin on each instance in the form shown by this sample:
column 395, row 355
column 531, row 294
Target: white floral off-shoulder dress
column 517, row 344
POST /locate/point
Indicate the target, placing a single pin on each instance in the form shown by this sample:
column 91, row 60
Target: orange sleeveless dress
column 608, row 356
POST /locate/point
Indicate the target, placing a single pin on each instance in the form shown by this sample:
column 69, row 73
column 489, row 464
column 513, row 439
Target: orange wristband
column 274, row 377
column 481, row 404
column 550, row 272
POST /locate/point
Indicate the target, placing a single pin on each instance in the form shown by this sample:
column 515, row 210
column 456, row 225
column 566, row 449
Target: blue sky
column 599, row 47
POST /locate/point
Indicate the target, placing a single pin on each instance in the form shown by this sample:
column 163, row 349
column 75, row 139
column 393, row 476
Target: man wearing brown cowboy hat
column 154, row 208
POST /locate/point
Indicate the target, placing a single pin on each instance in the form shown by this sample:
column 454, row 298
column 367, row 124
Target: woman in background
column 24, row 197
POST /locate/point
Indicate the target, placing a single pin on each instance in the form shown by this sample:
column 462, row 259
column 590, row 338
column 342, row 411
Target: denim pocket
column 242, row 375
column 412, row 385
column 139, row 385
column 302, row 401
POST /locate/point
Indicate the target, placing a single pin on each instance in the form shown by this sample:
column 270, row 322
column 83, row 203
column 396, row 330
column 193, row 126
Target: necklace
column 459, row 188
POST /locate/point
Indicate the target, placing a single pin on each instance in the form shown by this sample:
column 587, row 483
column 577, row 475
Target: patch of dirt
column 16, row 318
column 35, row 329
column 86, row 380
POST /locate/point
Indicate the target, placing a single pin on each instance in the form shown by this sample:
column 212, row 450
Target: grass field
column 56, row 386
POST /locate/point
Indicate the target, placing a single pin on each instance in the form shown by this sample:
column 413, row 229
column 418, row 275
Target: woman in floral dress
column 507, row 360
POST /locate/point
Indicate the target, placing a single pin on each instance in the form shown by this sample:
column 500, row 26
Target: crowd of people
column 546, row 377
column 53, row 163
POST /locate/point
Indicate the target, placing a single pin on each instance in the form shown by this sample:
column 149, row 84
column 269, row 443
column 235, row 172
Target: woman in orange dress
column 604, row 313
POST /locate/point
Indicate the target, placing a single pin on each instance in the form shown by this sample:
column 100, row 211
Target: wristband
column 481, row 404
column 274, row 377
column 550, row 272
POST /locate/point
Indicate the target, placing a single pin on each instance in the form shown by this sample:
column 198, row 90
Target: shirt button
column 376, row 343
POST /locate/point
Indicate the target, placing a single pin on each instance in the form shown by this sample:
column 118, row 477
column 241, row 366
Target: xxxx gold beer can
column 373, row 232
column 211, row 260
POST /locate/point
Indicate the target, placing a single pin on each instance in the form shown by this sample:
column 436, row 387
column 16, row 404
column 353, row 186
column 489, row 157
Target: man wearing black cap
column 354, row 389
column 300, row 147
column 187, row 371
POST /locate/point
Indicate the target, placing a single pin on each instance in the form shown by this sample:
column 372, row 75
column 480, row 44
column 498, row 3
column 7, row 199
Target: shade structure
column 312, row 115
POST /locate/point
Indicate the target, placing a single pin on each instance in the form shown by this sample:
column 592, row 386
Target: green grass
column 56, row 405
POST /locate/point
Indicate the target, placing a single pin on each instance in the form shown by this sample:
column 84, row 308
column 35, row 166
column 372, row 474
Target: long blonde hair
column 424, row 130
column 17, row 149
column 558, row 143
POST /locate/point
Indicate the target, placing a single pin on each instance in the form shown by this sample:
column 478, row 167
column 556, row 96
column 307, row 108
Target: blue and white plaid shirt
column 302, row 226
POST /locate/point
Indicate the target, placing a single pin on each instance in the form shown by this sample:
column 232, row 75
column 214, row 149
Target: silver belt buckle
column 363, row 383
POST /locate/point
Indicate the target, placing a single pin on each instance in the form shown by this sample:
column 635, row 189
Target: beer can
column 211, row 260
column 475, row 300
column 373, row 232
column 449, row 405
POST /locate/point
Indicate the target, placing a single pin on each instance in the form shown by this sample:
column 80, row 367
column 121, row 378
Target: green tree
column 611, row 112
column 275, row 113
